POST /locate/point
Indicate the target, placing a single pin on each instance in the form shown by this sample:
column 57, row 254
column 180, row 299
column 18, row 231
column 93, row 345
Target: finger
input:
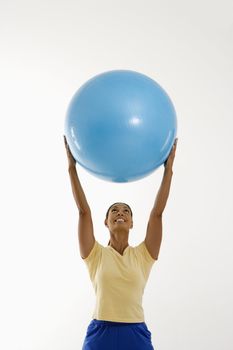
column 66, row 143
column 174, row 145
column 65, row 139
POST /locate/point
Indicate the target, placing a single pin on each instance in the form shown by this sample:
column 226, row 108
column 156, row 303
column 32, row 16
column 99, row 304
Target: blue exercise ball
column 120, row 125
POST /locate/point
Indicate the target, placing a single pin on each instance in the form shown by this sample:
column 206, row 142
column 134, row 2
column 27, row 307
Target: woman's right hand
column 71, row 159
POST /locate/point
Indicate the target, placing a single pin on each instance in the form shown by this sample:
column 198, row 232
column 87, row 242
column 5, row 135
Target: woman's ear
column 105, row 222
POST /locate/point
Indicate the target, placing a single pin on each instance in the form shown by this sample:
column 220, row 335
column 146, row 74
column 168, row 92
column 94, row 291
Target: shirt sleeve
column 92, row 261
column 145, row 259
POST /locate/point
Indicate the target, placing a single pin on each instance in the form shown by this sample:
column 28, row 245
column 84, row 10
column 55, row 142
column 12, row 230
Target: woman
column 119, row 272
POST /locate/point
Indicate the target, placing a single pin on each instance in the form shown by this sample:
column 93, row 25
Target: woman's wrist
column 71, row 166
column 168, row 170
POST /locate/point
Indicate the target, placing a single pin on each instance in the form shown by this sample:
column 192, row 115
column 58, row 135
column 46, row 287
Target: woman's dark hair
column 118, row 203
column 115, row 204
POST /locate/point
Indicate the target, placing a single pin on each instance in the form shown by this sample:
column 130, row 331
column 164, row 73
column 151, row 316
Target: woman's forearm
column 77, row 190
column 163, row 193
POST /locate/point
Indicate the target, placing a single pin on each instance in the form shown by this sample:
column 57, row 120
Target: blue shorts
column 109, row 335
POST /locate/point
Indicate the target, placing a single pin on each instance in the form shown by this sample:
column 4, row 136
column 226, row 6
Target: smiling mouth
column 119, row 220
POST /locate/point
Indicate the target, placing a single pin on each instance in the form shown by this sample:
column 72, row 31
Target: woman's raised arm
column 85, row 225
column 154, row 228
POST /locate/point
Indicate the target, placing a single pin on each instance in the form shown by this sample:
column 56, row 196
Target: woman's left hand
column 169, row 162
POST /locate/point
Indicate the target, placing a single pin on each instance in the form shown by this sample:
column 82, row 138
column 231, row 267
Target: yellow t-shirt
column 119, row 281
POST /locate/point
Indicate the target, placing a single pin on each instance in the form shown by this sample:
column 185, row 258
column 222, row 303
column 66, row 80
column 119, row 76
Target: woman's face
column 119, row 215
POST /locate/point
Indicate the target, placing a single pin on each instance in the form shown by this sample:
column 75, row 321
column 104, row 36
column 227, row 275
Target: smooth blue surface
column 120, row 125
column 109, row 335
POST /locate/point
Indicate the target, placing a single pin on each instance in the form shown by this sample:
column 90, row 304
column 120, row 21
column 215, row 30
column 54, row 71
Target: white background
column 48, row 50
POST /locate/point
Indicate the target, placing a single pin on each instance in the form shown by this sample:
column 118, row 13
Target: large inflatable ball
column 120, row 125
